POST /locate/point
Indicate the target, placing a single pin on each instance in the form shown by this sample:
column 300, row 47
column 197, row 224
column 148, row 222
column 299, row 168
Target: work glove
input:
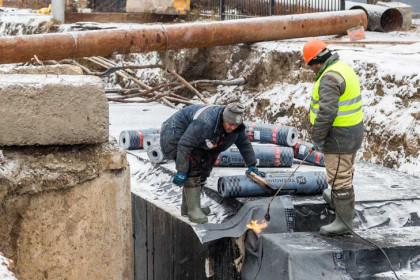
column 180, row 178
column 255, row 170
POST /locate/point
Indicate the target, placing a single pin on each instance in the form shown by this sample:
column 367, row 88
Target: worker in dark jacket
column 194, row 137
column 337, row 118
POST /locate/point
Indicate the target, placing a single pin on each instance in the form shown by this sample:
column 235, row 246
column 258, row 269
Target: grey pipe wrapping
column 133, row 139
column 382, row 19
column 272, row 133
column 150, row 140
column 155, row 154
column 267, row 156
column 304, row 183
column 301, row 150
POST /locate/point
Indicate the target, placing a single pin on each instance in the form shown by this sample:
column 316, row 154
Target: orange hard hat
column 312, row 48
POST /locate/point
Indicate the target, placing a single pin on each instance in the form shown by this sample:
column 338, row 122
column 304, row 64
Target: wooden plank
column 151, row 209
column 140, row 237
column 164, row 244
column 223, row 252
column 170, row 249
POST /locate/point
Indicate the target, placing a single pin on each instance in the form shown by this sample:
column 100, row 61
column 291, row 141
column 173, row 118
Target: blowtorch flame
column 256, row 227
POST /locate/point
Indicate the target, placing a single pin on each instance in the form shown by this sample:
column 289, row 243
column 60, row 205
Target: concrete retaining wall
column 66, row 212
column 52, row 110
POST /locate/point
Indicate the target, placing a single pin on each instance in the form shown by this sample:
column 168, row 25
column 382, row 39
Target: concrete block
column 59, row 69
column 406, row 11
column 52, row 110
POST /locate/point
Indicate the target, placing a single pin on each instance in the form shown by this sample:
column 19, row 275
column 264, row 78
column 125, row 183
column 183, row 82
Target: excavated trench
column 278, row 88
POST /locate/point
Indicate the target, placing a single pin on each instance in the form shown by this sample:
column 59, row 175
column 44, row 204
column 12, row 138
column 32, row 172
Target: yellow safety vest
column 350, row 102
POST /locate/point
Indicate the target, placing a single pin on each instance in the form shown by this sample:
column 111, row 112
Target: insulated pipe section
column 267, row 156
column 155, row 154
column 134, row 139
column 149, row 38
column 301, row 150
column 271, row 133
column 304, row 183
column 380, row 18
column 151, row 139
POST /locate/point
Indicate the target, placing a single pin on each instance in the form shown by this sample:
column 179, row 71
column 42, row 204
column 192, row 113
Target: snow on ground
column 20, row 21
column 5, row 273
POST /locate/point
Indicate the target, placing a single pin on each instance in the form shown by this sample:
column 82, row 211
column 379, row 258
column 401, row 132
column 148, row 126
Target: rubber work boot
column 184, row 207
column 192, row 196
column 326, row 195
column 344, row 206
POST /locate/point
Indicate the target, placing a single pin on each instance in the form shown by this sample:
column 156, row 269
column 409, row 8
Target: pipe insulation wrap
column 267, row 156
column 272, row 133
column 134, row 139
column 155, row 154
column 151, row 139
column 301, row 150
column 304, row 183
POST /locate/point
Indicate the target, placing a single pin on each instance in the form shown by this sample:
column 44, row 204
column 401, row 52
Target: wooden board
column 166, row 247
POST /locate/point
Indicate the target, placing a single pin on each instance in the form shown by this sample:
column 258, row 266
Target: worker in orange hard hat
column 336, row 116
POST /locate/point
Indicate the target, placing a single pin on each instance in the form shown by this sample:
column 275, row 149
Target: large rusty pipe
column 176, row 36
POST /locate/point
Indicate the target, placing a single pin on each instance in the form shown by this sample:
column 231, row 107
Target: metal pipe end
column 391, row 20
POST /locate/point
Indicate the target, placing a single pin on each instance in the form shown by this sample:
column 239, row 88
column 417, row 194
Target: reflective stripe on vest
column 350, row 110
column 200, row 111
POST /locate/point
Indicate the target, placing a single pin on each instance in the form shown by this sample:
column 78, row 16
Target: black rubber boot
column 192, row 191
column 184, row 207
column 344, row 206
column 195, row 214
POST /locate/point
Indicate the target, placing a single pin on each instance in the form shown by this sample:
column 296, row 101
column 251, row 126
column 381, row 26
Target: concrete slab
column 59, row 69
column 52, row 110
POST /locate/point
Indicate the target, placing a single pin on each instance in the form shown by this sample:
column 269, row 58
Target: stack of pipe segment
column 267, row 156
column 303, row 183
column 155, row 154
column 134, row 139
column 151, row 139
column 382, row 19
column 272, row 133
column 301, row 150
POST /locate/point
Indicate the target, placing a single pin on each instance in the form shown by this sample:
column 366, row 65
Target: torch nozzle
column 267, row 217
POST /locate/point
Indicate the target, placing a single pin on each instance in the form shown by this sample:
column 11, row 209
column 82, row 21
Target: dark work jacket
column 196, row 144
column 331, row 87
